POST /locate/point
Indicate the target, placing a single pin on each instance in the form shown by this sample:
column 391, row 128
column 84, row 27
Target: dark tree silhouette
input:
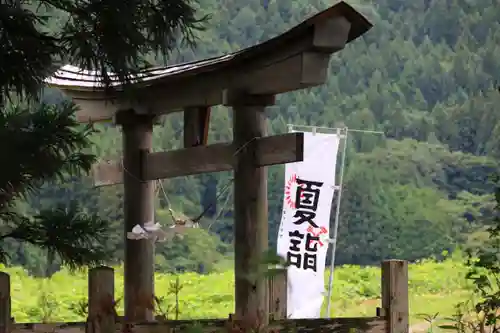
column 39, row 141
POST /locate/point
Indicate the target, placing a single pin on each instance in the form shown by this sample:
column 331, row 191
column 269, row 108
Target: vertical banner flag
column 305, row 223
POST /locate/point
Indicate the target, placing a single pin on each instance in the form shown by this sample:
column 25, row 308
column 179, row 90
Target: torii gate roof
column 294, row 60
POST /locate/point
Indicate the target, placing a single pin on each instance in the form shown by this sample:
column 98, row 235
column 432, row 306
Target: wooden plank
column 331, row 325
column 106, row 173
column 395, row 295
column 101, row 295
column 278, row 295
column 5, row 307
column 284, row 75
column 278, row 149
column 190, row 161
column 304, row 70
column 325, row 40
column 196, row 125
column 70, row 327
column 94, row 110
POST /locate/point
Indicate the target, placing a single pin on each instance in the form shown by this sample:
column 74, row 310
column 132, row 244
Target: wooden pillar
column 250, row 208
column 395, row 295
column 102, row 313
column 138, row 209
column 196, row 123
column 5, row 309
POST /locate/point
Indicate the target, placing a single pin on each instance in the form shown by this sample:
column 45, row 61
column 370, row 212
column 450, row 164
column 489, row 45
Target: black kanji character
column 306, row 196
column 310, row 261
column 312, row 242
column 294, row 259
column 295, row 239
column 305, row 216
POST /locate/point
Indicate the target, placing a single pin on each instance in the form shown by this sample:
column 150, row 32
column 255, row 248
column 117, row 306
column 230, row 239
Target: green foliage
column 77, row 239
column 42, row 142
column 54, row 141
column 483, row 276
column 424, row 75
column 484, row 273
column 197, row 251
column 39, row 35
column 198, row 296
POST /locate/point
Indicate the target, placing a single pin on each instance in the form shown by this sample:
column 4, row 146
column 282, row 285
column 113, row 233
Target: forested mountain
column 424, row 75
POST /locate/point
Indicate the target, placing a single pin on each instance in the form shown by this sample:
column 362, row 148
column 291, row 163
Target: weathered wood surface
column 5, row 316
column 334, row 325
column 250, row 215
column 395, row 306
column 278, row 295
column 277, row 149
column 101, row 307
column 271, row 150
column 138, row 209
column 196, row 126
column 107, row 173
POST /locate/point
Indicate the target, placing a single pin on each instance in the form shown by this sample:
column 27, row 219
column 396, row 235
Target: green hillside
column 424, row 75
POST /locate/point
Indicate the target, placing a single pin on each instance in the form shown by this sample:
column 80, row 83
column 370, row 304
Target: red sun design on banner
column 291, row 190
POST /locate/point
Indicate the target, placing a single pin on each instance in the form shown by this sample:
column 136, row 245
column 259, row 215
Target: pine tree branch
column 104, row 35
column 4, row 256
column 40, row 144
column 113, row 36
column 45, row 142
column 26, row 52
column 78, row 239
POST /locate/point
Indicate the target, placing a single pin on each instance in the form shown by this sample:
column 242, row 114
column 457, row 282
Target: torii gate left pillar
column 138, row 209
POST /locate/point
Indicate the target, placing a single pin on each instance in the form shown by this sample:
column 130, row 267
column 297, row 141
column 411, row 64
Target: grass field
column 434, row 288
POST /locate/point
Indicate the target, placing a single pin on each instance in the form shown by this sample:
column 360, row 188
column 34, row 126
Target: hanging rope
column 221, row 210
column 160, row 185
column 186, row 221
column 194, row 223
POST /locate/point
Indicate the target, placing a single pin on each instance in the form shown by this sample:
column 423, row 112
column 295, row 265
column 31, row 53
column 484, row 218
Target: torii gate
column 247, row 81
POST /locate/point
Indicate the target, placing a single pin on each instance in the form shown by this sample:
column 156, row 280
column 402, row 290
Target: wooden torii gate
column 247, row 81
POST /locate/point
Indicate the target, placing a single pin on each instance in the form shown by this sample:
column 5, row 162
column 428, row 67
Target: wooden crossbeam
column 107, row 173
column 271, row 150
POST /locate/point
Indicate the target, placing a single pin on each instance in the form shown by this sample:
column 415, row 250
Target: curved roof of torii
column 293, row 60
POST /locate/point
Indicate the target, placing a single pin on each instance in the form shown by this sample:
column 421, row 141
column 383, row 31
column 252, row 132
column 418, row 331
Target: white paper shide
column 305, row 223
column 154, row 232
column 150, row 230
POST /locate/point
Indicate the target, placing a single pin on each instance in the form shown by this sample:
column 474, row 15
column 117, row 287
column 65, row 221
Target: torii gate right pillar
column 250, row 207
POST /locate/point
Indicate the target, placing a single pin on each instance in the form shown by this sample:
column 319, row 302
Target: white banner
column 305, row 223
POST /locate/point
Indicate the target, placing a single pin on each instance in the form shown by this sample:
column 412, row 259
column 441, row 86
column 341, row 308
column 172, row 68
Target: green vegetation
column 424, row 75
column 43, row 140
column 483, row 274
column 434, row 287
